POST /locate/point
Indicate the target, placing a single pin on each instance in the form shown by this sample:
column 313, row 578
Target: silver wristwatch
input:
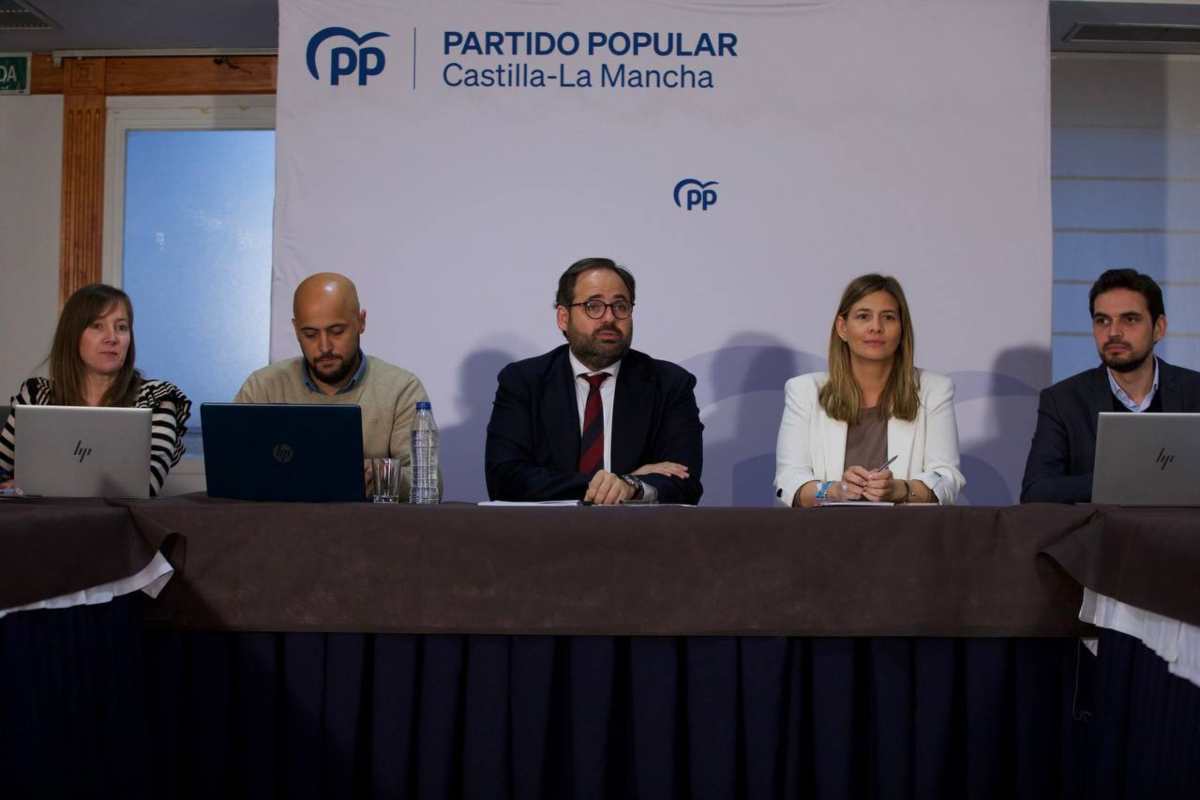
column 639, row 488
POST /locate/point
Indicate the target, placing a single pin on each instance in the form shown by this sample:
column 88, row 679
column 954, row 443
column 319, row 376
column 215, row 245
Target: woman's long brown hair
column 841, row 396
column 67, row 370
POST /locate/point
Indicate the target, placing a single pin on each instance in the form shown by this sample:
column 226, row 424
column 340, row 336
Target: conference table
column 336, row 650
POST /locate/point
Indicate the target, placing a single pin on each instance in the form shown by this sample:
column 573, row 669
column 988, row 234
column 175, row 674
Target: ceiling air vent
column 1140, row 33
column 21, row 16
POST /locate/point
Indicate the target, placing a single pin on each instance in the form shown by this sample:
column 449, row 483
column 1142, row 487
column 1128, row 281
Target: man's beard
column 594, row 353
column 345, row 367
column 1131, row 364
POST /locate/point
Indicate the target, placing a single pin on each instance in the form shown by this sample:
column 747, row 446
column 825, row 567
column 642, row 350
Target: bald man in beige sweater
column 328, row 322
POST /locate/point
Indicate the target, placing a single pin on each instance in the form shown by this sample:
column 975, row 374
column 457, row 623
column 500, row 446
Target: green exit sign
column 14, row 73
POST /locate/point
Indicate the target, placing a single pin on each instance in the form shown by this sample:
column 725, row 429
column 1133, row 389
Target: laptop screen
column 1147, row 459
column 81, row 451
column 307, row 453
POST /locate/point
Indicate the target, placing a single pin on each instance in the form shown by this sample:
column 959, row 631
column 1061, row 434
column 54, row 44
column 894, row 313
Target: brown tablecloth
column 660, row 570
column 1147, row 557
column 664, row 570
column 54, row 547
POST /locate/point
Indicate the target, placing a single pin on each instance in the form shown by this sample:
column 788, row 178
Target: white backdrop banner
column 744, row 160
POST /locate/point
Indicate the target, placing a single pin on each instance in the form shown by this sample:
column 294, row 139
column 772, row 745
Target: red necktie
column 591, row 442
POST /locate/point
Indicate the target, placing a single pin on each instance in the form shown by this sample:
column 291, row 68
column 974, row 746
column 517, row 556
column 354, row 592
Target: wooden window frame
column 86, row 84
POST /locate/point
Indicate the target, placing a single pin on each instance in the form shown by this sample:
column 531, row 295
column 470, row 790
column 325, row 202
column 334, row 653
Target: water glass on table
column 386, row 480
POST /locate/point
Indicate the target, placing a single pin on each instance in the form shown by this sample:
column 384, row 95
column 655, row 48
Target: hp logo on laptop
column 1163, row 458
column 283, row 453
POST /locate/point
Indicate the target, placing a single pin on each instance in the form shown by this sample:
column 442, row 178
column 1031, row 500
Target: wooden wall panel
column 82, row 175
column 44, row 77
column 191, row 75
column 165, row 75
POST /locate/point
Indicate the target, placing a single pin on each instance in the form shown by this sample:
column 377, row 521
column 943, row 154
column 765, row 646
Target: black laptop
column 306, row 453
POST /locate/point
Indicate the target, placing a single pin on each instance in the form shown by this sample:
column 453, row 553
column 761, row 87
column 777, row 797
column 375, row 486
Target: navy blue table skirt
column 93, row 704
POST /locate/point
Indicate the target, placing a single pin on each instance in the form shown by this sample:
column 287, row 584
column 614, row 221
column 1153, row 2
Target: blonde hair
column 841, row 396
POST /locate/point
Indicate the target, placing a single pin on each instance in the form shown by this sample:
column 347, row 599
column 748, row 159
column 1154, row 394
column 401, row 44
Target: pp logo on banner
column 697, row 194
column 345, row 61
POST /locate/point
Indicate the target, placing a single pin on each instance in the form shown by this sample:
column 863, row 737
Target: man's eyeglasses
column 621, row 309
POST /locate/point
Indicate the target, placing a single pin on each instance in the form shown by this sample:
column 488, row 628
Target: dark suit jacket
column 1063, row 453
column 533, row 436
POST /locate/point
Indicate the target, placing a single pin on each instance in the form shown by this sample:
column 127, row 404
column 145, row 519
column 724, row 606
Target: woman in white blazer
column 874, row 405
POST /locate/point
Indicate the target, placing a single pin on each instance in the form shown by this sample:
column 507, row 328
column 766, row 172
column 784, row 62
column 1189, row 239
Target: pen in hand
column 886, row 464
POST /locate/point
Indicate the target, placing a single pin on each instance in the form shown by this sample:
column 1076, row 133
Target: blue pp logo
column 345, row 61
column 690, row 193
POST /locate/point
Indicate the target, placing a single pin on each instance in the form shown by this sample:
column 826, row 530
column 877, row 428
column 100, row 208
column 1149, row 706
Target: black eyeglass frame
column 607, row 307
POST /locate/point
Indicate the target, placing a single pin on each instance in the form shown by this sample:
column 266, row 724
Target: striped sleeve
column 168, row 424
column 33, row 392
column 8, row 445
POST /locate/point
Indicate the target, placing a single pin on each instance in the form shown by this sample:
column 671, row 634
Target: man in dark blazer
column 1128, row 319
column 594, row 420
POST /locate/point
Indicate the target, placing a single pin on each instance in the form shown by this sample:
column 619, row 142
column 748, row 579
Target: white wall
column 31, row 177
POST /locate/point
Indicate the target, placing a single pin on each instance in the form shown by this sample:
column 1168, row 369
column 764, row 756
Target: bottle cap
column 424, row 405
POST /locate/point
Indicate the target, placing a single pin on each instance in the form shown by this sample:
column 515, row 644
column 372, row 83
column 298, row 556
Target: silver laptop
column 77, row 451
column 1147, row 460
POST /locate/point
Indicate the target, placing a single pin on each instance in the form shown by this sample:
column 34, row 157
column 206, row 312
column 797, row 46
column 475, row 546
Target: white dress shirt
column 1126, row 400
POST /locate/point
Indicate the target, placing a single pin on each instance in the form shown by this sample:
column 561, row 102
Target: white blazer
column 812, row 446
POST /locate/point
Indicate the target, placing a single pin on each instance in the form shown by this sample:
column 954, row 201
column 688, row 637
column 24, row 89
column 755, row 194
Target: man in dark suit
column 592, row 419
column 1128, row 319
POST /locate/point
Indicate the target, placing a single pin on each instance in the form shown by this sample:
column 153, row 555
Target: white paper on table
column 855, row 503
column 150, row 580
column 644, row 504
column 543, row 503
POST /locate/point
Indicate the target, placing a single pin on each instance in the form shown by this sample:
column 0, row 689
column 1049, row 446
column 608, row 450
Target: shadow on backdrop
column 1004, row 409
column 461, row 450
column 741, row 404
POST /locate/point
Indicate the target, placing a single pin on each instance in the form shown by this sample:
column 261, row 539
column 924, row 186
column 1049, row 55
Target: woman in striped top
column 91, row 364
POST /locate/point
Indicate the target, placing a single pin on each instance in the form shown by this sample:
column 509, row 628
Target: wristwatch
column 639, row 488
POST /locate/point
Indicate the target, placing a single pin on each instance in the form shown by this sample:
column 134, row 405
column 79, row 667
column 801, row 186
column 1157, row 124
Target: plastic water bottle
column 424, row 455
